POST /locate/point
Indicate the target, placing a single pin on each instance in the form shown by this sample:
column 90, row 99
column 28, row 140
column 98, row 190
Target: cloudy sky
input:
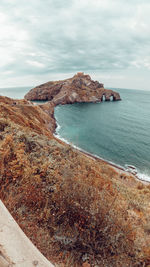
column 42, row 40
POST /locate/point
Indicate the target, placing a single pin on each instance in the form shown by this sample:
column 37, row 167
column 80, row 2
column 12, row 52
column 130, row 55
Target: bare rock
column 79, row 88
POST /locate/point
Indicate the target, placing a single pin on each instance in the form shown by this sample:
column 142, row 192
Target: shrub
column 89, row 221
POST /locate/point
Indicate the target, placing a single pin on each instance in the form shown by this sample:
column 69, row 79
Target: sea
column 118, row 132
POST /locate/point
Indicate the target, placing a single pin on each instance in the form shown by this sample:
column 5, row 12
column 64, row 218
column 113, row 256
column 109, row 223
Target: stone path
column 16, row 250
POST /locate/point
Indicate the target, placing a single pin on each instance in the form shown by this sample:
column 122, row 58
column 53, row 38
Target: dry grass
column 75, row 209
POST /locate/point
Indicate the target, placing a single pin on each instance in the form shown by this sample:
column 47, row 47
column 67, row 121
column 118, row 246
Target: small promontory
column 79, row 88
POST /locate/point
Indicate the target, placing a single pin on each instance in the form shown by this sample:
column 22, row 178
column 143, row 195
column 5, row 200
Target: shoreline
column 143, row 177
column 93, row 156
column 55, row 126
column 98, row 158
column 67, row 197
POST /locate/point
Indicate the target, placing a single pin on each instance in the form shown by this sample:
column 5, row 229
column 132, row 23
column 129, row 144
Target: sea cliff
column 78, row 210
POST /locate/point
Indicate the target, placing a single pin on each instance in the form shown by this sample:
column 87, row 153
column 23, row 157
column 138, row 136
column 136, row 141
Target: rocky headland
column 79, row 88
column 78, row 210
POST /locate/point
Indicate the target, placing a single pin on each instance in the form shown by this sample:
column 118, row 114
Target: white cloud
column 95, row 36
column 35, row 63
column 6, row 57
column 9, row 72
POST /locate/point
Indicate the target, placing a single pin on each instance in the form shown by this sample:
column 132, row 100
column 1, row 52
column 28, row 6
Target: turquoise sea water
column 115, row 131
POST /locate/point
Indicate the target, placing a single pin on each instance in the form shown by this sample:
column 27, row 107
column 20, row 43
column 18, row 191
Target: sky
column 43, row 40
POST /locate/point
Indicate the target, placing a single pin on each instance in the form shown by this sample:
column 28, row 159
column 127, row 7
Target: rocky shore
column 77, row 210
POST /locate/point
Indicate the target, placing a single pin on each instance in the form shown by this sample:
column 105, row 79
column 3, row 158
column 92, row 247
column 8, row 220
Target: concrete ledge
column 15, row 248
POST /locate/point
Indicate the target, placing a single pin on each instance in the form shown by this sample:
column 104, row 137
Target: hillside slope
column 77, row 210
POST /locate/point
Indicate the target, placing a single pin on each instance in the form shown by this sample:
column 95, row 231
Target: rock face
column 79, row 88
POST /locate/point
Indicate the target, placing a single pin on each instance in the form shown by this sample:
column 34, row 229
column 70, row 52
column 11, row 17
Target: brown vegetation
column 77, row 210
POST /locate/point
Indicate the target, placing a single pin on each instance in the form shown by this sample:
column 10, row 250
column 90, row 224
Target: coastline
column 62, row 197
column 117, row 167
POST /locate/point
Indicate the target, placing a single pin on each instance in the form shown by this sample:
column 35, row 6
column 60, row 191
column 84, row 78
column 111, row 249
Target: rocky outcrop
column 79, row 88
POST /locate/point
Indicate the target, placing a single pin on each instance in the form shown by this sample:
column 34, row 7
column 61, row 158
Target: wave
column 58, row 128
column 143, row 177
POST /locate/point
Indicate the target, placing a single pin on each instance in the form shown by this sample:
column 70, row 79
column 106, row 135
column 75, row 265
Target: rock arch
column 109, row 95
column 103, row 98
